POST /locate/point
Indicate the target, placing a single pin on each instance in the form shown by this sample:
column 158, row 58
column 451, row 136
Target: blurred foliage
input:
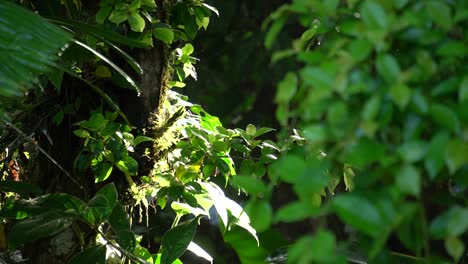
column 380, row 98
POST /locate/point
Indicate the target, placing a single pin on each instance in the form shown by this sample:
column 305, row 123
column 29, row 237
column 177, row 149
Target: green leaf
column 119, row 219
column 463, row 90
column 273, row 32
column 102, row 204
column 455, row 247
column 451, row 223
column 102, row 171
column 251, row 130
column 364, row 153
column 435, row 156
column 440, row 13
column 164, row 34
column 21, row 188
column 251, row 185
column 30, row 45
column 360, row 49
column 103, row 13
column 359, row 213
column 408, row 180
column 445, row 117
column 128, row 165
column 317, row 77
column 388, row 68
column 94, row 254
column 260, row 213
column 176, row 240
column 103, row 72
column 149, row 3
column 39, row 226
column 118, row 16
column 141, row 139
column 137, row 23
column 374, row 16
column 126, row 239
column 213, row 9
column 286, row 88
column 456, row 154
column 401, row 95
column 295, row 211
column 289, row 168
column 413, row 151
column 187, row 49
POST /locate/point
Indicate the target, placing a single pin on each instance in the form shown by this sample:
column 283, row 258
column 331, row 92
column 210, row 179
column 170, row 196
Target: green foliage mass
column 379, row 95
column 374, row 105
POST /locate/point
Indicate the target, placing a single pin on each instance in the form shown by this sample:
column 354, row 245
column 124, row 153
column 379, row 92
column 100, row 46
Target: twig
column 21, row 133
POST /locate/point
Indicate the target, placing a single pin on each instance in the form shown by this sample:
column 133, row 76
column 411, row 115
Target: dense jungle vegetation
column 197, row 131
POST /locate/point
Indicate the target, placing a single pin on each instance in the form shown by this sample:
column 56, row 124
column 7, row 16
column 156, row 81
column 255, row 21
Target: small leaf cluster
column 107, row 144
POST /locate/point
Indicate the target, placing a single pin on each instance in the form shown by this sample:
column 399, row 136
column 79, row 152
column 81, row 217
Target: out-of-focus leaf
column 29, row 44
column 22, row 188
column 260, row 213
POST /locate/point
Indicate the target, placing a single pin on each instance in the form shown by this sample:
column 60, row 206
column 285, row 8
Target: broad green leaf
column 440, row 12
column 102, row 171
column 263, row 130
column 273, row 32
column 359, row 213
column 118, row 16
column 245, row 246
column 413, row 151
column 137, row 23
column 317, row 78
column 119, row 219
column 408, row 180
column 260, row 213
column 149, row 3
column 445, row 117
column 103, row 72
column 21, row 188
column 164, row 34
column 102, row 204
column 251, row 185
column 39, row 226
column 364, row 152
column 295, row 211
column 374, row 16
column 218, row 198
column 451, row 223
column 128, row 165
column 360, row 49
column 176, row 240
column 435, row 156
column 463, row 90
column 251, row 130
column 455, row 247
column 126, row 239
column 29, row 44
column 289, row 167
column 94, row 254
column 371, row 108
column 401, row 95
column 103, row 13
column 286, row 88
column 319, row 248
column 141, row 139
column 187, row 49
column 388, row 68
column 456, row 154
